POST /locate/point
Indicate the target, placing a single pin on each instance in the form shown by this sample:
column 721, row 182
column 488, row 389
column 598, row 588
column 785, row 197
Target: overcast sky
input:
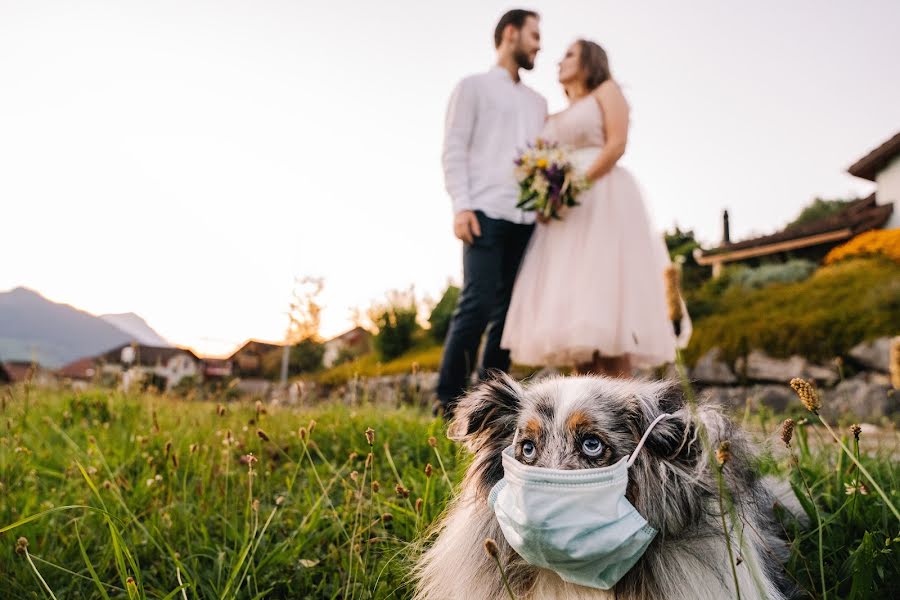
column 185, row 160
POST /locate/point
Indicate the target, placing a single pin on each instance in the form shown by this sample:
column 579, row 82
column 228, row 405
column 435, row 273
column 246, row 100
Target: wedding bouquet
column 547, row 179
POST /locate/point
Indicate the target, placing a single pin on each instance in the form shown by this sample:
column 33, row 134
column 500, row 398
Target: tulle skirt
column 594, row 282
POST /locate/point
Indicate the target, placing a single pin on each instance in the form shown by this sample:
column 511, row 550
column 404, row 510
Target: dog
column 673, row 483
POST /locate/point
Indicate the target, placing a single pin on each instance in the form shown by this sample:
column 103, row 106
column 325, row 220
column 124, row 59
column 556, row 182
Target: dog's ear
column 671, row 438
column 488, row 413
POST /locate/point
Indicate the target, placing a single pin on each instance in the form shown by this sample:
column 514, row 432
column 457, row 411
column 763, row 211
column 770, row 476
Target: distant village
column 164, row 368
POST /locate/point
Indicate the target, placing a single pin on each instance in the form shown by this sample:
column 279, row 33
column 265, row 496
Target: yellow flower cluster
column 885, row 242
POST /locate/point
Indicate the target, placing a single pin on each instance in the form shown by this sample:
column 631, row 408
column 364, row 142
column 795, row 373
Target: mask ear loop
column 640, row 445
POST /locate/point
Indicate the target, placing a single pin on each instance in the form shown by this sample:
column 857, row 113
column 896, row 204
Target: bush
column 819, row 209
column 442, row 313
column 681, row 245
column 820, row 318
column 396, row 322
column 306, row 357
column 884, row 242
column 765, row 275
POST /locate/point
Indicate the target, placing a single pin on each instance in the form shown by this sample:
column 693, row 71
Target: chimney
column 726, row 230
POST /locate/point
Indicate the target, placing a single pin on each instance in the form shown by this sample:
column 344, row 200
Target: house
column 355, row 342
column 83, row 369
column 4, row 375
column 247, row 360
column 217, row 368
column 23, row 371
column 813, row 240
column 882, row 165
column 163, row 367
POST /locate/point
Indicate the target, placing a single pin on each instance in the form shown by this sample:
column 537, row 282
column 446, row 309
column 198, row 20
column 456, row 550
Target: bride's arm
column 615, row 124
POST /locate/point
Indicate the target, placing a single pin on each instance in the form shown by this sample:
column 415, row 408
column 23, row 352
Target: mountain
column 137, row 328
column 53, row 334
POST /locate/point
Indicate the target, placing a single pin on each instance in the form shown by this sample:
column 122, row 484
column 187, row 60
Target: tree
column 302, row 344
column 396, row 323
column 442, row 312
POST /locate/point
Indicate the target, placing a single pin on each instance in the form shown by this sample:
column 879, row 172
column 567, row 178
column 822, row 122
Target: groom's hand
column 466, row 227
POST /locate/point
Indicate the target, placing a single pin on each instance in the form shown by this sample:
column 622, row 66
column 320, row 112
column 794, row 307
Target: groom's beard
column 523, row 60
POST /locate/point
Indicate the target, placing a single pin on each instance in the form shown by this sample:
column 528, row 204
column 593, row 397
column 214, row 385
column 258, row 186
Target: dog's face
column 564, row 423
column 577, row 423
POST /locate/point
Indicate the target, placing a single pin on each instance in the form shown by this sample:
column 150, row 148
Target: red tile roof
column 83, row 368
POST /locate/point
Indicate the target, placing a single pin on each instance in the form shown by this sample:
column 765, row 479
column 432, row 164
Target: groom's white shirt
column 490, row 119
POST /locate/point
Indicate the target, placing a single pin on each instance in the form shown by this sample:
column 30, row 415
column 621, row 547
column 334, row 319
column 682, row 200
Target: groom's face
column 528, row 44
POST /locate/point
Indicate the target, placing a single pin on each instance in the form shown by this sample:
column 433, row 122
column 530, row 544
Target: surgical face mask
column 577, row 523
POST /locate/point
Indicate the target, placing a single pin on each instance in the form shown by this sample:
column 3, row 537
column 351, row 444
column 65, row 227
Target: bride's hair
column 594, row 64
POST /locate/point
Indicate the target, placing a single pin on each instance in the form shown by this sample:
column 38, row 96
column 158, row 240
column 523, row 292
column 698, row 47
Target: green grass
column 425, row 357
column 90, row 480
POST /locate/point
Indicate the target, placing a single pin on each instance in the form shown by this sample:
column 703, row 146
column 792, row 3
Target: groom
column 491, row 117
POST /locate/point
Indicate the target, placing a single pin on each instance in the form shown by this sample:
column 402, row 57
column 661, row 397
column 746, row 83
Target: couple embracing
column 586, row 291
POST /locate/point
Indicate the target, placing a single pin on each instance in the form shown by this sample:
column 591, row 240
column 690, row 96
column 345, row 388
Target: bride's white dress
column 593, row 281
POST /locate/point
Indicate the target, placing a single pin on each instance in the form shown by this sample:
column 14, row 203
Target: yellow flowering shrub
column 885, row 242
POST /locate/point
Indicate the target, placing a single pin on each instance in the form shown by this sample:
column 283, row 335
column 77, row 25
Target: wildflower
column 262, row 435
column 174, row 460
column 22, row 545
column 376, row 486
column 220, row 410
column 491, row 548
column 107, row 484
column 354, row 475
column 312, row 425
column 91, row 470
column 856, row 489
column 258, row 409
column 249, row 459
column 787, row 431
column 855, row 429
column 673, row 292
column 807, row 394
column 419, row 503
column 369, row 460
column 255, row 505
column 428, row 470
column 131, row 584
column 387, row 518
column 432, row 441
column 150, row 482
column 370, row 435
column 723, row 453
column 302, row 433
column 401, row 491
column 168, row 448
column 194, row 448
column 279, row 500
column 894, row 366
column 352, row 456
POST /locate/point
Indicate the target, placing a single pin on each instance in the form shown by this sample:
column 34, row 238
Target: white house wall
column 888, row 190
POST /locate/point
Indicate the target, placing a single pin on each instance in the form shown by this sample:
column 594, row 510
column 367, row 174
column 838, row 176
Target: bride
column 591, row 292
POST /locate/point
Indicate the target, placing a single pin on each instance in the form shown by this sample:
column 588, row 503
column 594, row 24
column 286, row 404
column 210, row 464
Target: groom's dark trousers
column 490, row 265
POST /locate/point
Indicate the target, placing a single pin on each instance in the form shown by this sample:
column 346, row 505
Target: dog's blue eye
column 591, row 446
column 528, row 449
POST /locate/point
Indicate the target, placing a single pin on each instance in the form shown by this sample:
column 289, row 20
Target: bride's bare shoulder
column 609, row 93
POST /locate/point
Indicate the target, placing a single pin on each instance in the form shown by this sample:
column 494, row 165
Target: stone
column 874, row 354
column 711, row 370
column 759, row 366
column 861, row 398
